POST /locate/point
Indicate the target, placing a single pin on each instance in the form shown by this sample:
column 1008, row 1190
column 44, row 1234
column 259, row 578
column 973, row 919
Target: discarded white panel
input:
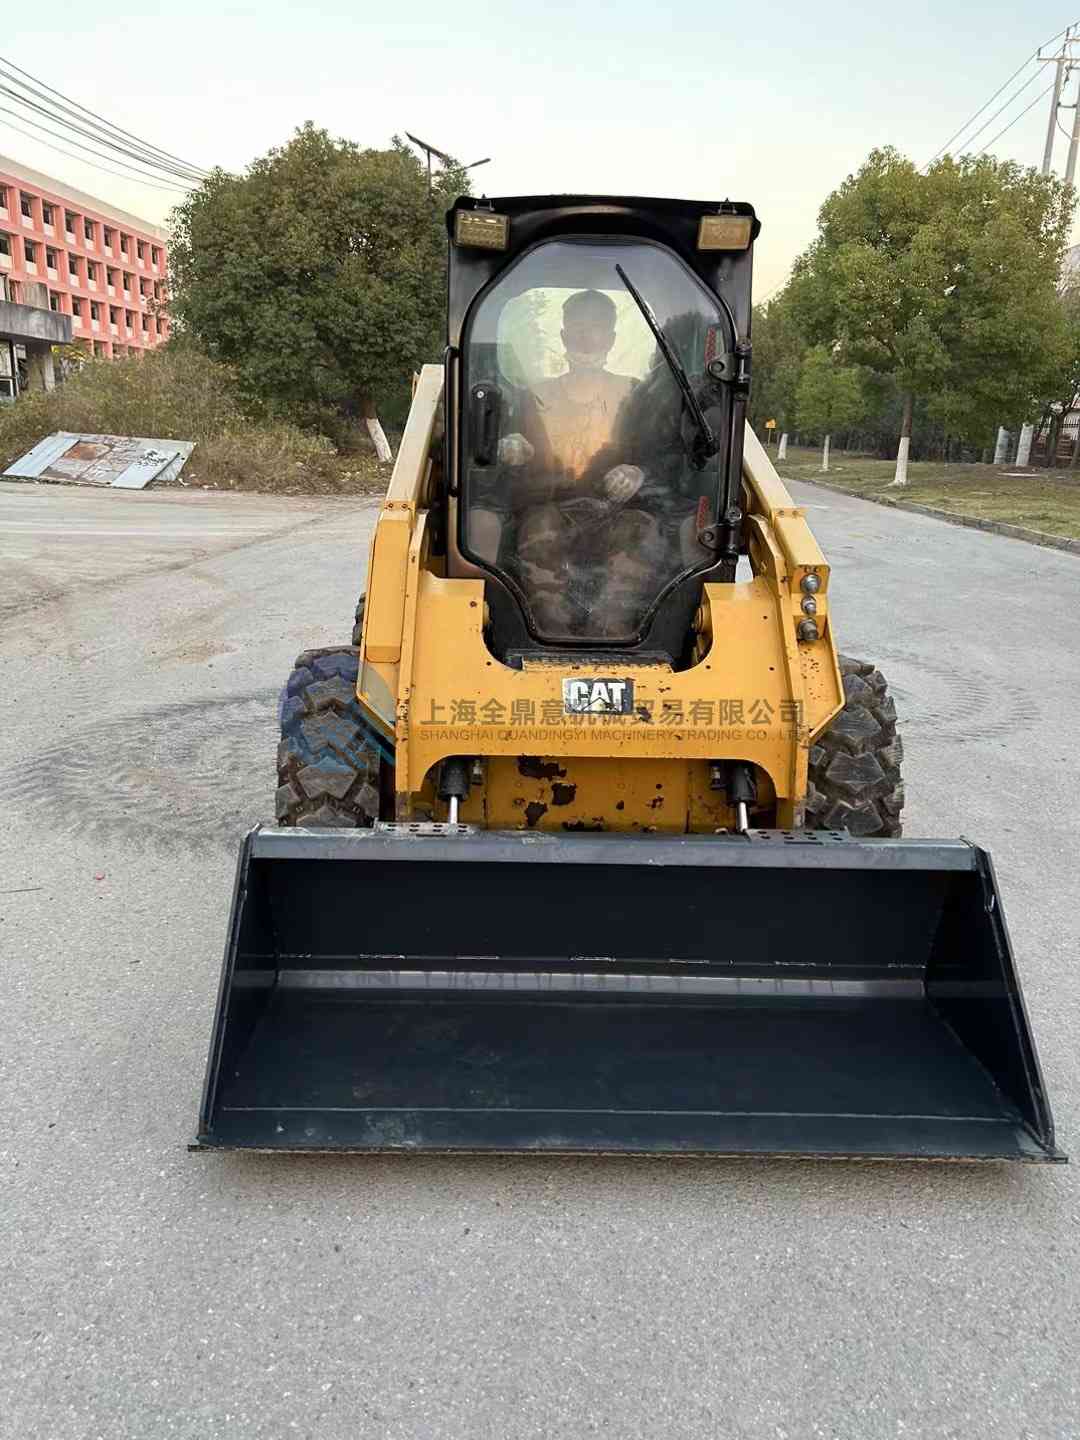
column 127, row 462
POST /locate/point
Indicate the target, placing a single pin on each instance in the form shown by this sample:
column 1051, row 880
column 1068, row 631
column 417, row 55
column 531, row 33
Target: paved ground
column 147, row 1292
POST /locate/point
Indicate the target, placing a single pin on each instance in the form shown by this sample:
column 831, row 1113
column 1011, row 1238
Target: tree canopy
column 830, row 395
column 943, row 281
column 778, row 351
column 319, row 274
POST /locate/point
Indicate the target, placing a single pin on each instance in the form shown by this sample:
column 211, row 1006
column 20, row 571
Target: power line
column 93, row 115
column 100, row 133
column 1060, row 128
column 1002, row 108
column 1042, row 95
column 986, row 105
column 89, row 134
column 97, row 165
column 1018, row 71
column 136, row 170
column 774, row 291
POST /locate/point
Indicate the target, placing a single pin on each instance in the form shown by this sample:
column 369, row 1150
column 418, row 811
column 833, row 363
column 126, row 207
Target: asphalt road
column 148, row 1292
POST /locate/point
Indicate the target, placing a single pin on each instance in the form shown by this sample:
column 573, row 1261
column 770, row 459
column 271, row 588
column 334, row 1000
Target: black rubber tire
column 328, row 771
column 855, row 780
column 358, row 622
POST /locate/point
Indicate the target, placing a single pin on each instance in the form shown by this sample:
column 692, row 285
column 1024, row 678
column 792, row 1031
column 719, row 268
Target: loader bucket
column 393, row 990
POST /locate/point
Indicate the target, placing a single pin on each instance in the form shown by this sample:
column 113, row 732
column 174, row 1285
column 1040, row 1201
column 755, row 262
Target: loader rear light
column 482, row 229
column 724, row 232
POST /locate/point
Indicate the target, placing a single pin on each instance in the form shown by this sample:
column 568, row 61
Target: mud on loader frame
column 662, row 982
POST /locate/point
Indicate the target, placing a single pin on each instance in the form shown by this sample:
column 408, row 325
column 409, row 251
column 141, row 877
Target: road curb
column 970, row 522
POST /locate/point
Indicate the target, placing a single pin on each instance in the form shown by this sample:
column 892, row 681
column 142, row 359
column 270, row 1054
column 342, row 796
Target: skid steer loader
column 591, row 841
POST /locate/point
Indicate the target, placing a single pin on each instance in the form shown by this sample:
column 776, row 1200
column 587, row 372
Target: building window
column 140, row 250
column 54, row 301
column 3, row 197
column 129, row 319
column 110, row 275
column 88, row 231
column 70, row 222
column 125, row 242
column 91, row 272
column 127, row 282
column 95, row 310
column 73, row 268
column 29, row 252
column 157, row 289
column 26, row 205
column 76, row 307
column 50, row 257
column 5, row 245
column 46, row 213
column 114, row 315
column 155, row 255
column 145, row 323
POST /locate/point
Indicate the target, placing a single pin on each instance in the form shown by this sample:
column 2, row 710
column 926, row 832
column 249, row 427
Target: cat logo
column 598, row 697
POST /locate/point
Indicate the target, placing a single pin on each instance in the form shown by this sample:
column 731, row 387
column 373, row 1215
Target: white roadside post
column 825, row 455
column 781, row 453
column 378, row 439
column 1001, row 449
column 902, row 452
column 1023, row 449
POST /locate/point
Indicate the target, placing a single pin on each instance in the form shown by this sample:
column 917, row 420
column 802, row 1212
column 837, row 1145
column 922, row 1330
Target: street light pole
column 447, row 160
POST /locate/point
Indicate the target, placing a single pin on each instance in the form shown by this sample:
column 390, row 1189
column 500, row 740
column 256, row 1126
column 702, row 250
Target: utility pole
column 1058, row 61
column 1061, row 63
column 1074, row 142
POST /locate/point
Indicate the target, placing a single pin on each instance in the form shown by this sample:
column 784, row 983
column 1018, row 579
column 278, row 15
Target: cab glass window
column 588, row 473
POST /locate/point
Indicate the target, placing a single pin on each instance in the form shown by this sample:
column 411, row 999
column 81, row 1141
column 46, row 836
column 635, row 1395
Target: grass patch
column 180, row 395
column 1046, row 500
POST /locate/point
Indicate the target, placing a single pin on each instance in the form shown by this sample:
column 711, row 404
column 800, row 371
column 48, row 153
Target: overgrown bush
column 168, row 395
column 266, row 455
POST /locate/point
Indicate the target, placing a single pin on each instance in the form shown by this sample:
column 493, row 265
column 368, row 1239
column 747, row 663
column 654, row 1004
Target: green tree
column 1063, row 387
column 319, row 274
column 778, row 352
column 829, row 396
column 943, row 281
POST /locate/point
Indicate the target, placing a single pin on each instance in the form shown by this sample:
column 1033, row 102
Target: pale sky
column 771, row 103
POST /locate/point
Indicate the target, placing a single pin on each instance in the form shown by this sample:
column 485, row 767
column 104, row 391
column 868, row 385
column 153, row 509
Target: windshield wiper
column 708, row 443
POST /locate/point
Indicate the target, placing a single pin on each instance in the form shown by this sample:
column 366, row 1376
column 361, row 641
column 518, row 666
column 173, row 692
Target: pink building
column 103, row 267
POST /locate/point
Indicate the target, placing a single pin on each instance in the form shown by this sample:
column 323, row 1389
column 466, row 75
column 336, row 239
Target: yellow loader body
column 590, row 842
column 755, row 693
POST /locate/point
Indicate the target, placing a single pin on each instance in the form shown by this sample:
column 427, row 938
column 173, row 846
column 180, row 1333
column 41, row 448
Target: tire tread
column 328, row 772
column 855, row 782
